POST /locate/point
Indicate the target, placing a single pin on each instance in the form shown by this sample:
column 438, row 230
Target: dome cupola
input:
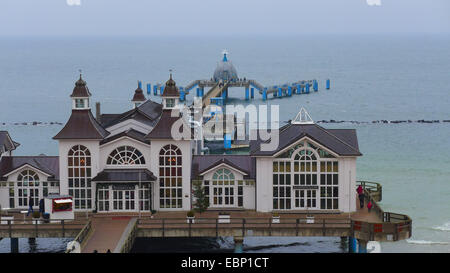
column 225, row 70
column 80, row 95
column 171, row 95
column 138, row 97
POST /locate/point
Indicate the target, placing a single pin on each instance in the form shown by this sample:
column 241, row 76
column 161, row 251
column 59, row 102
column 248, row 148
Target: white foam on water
column 444, row 227
column 424, row 242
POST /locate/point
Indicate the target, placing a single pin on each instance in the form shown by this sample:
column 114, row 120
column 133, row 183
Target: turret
column 80, row 95
column 171, row 95
column 138, row 97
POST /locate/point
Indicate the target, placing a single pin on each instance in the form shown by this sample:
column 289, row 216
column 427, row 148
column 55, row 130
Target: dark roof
column 47, row 164
column 82, row 125
column 163, row 128
column 244, row 163
column 139, row 95
column 343, row 142
column 129, row 133
column 171, row 89
column 148, row 113
column 80, row 89
column 6, row 142
column 124, row 175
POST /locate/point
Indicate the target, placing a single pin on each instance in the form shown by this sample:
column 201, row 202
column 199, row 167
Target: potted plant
column 224, row 217
column 275, row 218
column 190, row 216
column 36, row 217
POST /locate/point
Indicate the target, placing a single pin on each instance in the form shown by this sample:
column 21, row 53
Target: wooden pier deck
column 117, row 231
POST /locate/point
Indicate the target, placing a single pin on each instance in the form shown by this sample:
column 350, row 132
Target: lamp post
column 139, row 194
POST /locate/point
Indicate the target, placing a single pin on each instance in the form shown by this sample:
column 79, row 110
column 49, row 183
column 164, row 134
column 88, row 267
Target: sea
column 373, row 78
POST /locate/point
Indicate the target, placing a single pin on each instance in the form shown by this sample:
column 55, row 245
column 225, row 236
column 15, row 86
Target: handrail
column 130, row 237
column 394, row 222
column 81, row 237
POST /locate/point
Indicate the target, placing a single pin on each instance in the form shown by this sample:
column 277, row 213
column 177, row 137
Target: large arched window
column 305, row 177
column 28, row 186
column 126, row 155
column 79, row 175
column 170, row 177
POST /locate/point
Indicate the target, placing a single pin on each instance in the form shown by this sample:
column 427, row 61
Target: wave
column 444, row 227
column 424, row 242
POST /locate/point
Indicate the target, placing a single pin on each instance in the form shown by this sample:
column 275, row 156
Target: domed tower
column 225, row 70
column 138, row 97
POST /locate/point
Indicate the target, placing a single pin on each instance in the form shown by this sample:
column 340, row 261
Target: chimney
column 97, row 112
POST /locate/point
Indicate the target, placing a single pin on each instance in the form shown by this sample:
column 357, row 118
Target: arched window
column 125, row 155
column 28, row 186
column 170, row 177
column 223, row 188
column 79, row 175
column 304, row 177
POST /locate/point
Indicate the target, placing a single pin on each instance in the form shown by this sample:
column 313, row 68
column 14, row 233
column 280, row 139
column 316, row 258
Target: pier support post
column 182, row 95
column 289, row 91
column 149, row 89
column 247, row 95
column 264, row 94
column 14, row 245
column 362, row 246
column 307, row 88
column 252, row 93
column 161, row 90
column 280, row 92
column 299, row 89
column 140, row 84
column 352, row 245
column 315, row 86
column 238, row 244
column 328, row 84
column 155, row 90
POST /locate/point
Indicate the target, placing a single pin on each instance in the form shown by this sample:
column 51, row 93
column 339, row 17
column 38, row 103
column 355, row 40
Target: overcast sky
column 224, row 17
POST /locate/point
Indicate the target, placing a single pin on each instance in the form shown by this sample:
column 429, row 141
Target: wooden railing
column 242, row 224
column 392, row 223
column 131, row 236
column 34, row 226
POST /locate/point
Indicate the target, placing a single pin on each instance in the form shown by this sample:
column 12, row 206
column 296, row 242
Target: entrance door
column 223, row 196
column 124, row 200
column 306, row 199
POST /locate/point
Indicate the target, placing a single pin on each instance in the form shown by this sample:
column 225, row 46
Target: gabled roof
column 343, row 142
column 243, row 163
column 163, row 129
column 131, row 133
column 6, row 142
column 46, row 164
column 124, row 175
column 148, row 113
column 82, row 125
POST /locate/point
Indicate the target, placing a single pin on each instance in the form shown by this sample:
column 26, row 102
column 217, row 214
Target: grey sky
column 214, row 17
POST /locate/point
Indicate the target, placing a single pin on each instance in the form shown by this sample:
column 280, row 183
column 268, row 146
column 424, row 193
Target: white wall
column 4, row 196
column 264, row 186
column 347, row 177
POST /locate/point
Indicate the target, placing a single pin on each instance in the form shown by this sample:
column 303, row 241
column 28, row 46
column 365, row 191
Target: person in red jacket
column 360, row 192
column 369, row 206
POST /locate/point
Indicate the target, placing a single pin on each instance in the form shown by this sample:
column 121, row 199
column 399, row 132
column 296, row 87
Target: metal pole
column 139, row 194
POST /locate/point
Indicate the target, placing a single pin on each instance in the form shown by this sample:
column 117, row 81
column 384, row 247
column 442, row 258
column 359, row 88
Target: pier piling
column 328, row 84
column 238, row 244
column 252, row 93
column 352, row 245
column 149, row 89
column 14, row 245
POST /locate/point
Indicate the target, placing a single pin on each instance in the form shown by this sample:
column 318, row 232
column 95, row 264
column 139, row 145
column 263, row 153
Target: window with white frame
column 305, row 176
column 28, row 186
column 170, row 177
column 224, row 188
column 125, row 155
column 79, row 176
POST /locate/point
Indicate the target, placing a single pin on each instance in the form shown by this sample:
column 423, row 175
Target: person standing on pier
column 360, row 191
column 369, row 206
column 30, row 205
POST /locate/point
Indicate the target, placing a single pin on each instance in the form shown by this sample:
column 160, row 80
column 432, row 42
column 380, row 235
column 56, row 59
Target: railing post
column 243, row 227
column 217, row 227
column 323, row 227
column 190, row 226
column 270, row 226
column 36, row 228
column 163, row 223
column 63, row 229
column 9, row 228
column 296, row 226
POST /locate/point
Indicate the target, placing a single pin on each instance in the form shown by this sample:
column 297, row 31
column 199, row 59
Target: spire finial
column 170, row 71
column 225, row 53
column 79, row 70
column 302, row 118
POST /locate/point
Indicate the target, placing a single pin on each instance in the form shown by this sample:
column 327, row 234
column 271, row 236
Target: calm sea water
column 372, row 78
